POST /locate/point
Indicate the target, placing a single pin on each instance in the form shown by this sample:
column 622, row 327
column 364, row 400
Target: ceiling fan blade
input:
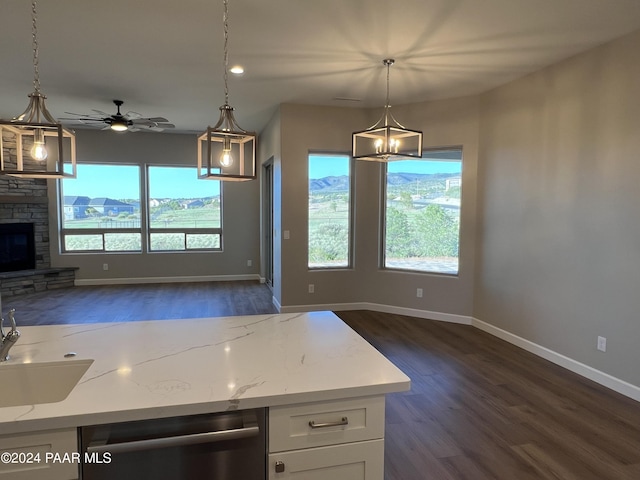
column 101, row 113
column 157, row 119
column 77, row 114
column 85, row 119
column 149, row 121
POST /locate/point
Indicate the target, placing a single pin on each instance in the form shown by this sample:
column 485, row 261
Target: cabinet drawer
column 353, row 461
column 31, row 449
column 326, row 423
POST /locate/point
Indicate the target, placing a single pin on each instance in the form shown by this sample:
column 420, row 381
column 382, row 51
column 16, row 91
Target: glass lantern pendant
column 226, row 151
column 34, row 144
column 387, row 140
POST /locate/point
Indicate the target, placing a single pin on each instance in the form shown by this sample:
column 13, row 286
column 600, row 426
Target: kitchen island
column 168, row 368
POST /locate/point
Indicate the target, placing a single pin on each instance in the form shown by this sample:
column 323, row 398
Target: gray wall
column 328, row 129
column 558, row 253
column 240, row 222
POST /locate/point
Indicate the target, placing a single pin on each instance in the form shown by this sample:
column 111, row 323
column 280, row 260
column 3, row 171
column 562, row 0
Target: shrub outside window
column 329, row 211
column 422, row 213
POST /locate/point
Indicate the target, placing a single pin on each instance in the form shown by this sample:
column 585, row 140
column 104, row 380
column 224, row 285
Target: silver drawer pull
column 341, row 422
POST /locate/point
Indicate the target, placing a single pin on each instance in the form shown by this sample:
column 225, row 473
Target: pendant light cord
column 225, row 21
column 34, row 36
column 388, row 63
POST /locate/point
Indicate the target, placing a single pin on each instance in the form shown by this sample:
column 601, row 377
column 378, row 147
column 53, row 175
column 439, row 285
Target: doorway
column 267, row 215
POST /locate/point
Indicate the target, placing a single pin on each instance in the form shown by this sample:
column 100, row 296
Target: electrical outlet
column 286, row 235
column 312, row 288
column 249, row 263
column 602, row 344
column 105, row 266
column 419, row 293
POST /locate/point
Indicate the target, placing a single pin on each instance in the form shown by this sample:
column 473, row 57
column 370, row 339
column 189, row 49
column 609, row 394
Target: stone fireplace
column 25, row 201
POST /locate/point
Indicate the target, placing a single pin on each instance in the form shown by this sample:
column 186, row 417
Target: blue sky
column 321, row 166
column 123, row 181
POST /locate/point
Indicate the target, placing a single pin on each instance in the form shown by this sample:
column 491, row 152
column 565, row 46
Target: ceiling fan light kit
column 387, row 140
column 34, row 144
column 226, row 151
column 117, row 122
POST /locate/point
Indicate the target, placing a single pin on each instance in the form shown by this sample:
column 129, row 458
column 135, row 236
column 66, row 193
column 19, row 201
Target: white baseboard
column 377, row 307
column 276, row 304
column 609, row 381
column 184, row 279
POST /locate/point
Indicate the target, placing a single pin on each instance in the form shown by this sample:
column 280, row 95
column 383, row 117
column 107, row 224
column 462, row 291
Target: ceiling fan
column 119, row 122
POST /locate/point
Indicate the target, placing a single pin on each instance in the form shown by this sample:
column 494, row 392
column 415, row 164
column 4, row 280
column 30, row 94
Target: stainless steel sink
column 34, row 383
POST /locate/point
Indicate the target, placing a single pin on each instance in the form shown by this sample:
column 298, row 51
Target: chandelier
column 43, row 147
column 226, row 151
column 387, row 140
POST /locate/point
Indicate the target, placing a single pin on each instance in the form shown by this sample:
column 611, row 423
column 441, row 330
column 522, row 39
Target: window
column 101, row 209
column 184, row 212
column 422, row 214
column 329, row 211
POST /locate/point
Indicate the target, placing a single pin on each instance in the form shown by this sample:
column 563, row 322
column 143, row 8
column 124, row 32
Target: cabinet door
column 35, row 456
column 351, row 461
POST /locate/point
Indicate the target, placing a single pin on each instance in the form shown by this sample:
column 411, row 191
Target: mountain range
column 341, row 182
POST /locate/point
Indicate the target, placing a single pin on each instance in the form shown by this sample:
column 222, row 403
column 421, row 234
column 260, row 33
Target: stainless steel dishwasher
column 220, row 446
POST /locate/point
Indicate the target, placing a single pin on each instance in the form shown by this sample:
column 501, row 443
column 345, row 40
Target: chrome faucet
column 7, row 341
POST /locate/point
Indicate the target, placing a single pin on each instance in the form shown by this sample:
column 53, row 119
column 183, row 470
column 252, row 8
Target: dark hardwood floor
column 124, row 303
column 479, row 408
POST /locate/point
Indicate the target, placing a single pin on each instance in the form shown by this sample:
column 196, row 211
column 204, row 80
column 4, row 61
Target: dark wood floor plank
column 500, row 412
column 123, row 303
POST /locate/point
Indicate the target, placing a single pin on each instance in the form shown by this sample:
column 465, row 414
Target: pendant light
column 43, row 147
column 226, row 151
column 387, row 140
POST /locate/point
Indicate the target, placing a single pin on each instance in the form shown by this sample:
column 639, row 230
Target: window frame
column 383, row 216
column 64, row 232
column 350, row 209
column 186, row 231
column 144, row 230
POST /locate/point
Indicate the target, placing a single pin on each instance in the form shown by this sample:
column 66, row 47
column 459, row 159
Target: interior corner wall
column 558, row 251
column 240, row 221
column 328, row 129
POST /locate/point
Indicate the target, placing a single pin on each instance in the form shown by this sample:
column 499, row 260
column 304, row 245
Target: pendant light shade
column 34, row 144
column 387, row 140
column 226, row 151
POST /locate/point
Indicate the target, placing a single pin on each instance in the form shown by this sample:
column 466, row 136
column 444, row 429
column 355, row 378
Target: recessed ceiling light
column 237, row 70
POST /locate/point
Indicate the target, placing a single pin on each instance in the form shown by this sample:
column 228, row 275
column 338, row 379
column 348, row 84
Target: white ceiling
column 164, row 58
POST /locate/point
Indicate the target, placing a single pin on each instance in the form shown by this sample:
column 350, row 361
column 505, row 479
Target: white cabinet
column 350, row 461
column 39, row 455
column 341, row 439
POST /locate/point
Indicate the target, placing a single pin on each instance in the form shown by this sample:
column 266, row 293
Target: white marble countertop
column 152, row 369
